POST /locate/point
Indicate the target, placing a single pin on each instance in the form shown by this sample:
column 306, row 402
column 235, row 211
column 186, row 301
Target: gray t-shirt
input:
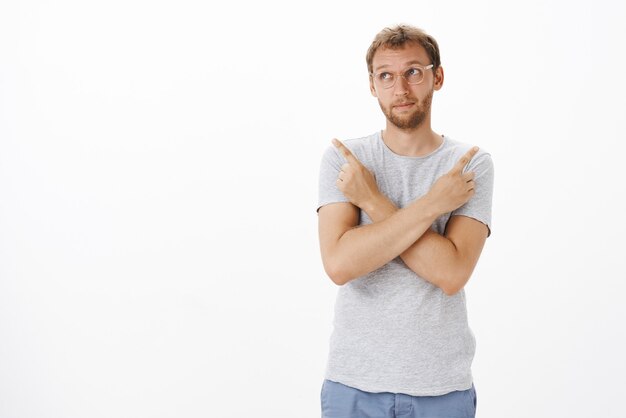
column 393, row 330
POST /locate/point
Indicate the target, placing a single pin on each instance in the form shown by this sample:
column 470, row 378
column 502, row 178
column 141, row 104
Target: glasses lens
column 414, row 75
column 386, row 79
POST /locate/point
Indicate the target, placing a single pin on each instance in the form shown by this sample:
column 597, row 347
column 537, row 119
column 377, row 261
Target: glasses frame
column 423, row 67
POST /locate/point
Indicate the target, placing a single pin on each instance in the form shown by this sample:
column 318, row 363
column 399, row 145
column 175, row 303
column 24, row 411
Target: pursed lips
column 406, row 104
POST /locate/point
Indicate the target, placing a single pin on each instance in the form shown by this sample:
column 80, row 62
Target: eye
column 384, row 76
column 412, row 72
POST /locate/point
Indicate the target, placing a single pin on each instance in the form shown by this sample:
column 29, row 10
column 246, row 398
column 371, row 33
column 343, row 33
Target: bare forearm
column 406, row 233
column 432, row 256
column 364, row 249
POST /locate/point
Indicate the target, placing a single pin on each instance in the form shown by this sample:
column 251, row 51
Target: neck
column 415, row 142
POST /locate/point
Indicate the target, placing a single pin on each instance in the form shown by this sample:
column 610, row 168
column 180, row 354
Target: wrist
column 379, row 207
column 430, row 207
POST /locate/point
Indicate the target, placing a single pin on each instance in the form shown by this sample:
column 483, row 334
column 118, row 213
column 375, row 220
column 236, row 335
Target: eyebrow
column 408, row 63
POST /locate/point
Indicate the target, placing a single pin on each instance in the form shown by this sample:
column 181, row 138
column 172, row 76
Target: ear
column 372, row 87
column 438, row 78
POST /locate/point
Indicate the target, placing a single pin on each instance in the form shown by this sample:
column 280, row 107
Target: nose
column 401, row 87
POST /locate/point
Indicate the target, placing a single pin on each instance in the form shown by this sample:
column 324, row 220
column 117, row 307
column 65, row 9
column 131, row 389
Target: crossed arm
column 349, row 250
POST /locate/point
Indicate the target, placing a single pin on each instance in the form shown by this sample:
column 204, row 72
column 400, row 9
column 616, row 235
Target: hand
column 356, row 182
column 454, row 188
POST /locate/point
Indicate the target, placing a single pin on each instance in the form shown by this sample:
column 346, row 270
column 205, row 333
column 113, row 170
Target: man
column 403, row 217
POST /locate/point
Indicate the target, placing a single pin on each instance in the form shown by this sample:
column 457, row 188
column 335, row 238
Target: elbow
column 337, row 274
column 454, row 284
column 338, row 277
column 451, row 290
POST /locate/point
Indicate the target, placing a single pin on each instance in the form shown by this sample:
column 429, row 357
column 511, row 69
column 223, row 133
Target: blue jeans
column 341, row 401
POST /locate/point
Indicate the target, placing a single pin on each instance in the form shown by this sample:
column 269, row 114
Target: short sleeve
column 329, row 171
column 479, row 206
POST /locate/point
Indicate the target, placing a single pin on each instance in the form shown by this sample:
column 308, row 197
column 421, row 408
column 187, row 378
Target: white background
column 158, row 186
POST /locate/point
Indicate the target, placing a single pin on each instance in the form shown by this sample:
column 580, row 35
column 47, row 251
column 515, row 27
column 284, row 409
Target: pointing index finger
column 465, row 159
column 345, row 151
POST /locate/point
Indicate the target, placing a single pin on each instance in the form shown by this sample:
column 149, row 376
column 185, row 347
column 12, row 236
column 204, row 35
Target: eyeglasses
column 413, row 75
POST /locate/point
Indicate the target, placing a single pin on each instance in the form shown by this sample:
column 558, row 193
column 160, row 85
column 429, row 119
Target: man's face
column 405, row 105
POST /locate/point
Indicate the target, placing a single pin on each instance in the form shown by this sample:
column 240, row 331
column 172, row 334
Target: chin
column 407, row 123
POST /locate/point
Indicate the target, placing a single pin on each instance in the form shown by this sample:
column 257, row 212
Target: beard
column 411, row 120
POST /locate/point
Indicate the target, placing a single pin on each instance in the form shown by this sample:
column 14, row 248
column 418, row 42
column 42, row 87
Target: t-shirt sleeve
column 479, row 206
column 329, row 171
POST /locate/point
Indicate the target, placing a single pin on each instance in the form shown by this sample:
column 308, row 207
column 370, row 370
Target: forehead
column 411, row 53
